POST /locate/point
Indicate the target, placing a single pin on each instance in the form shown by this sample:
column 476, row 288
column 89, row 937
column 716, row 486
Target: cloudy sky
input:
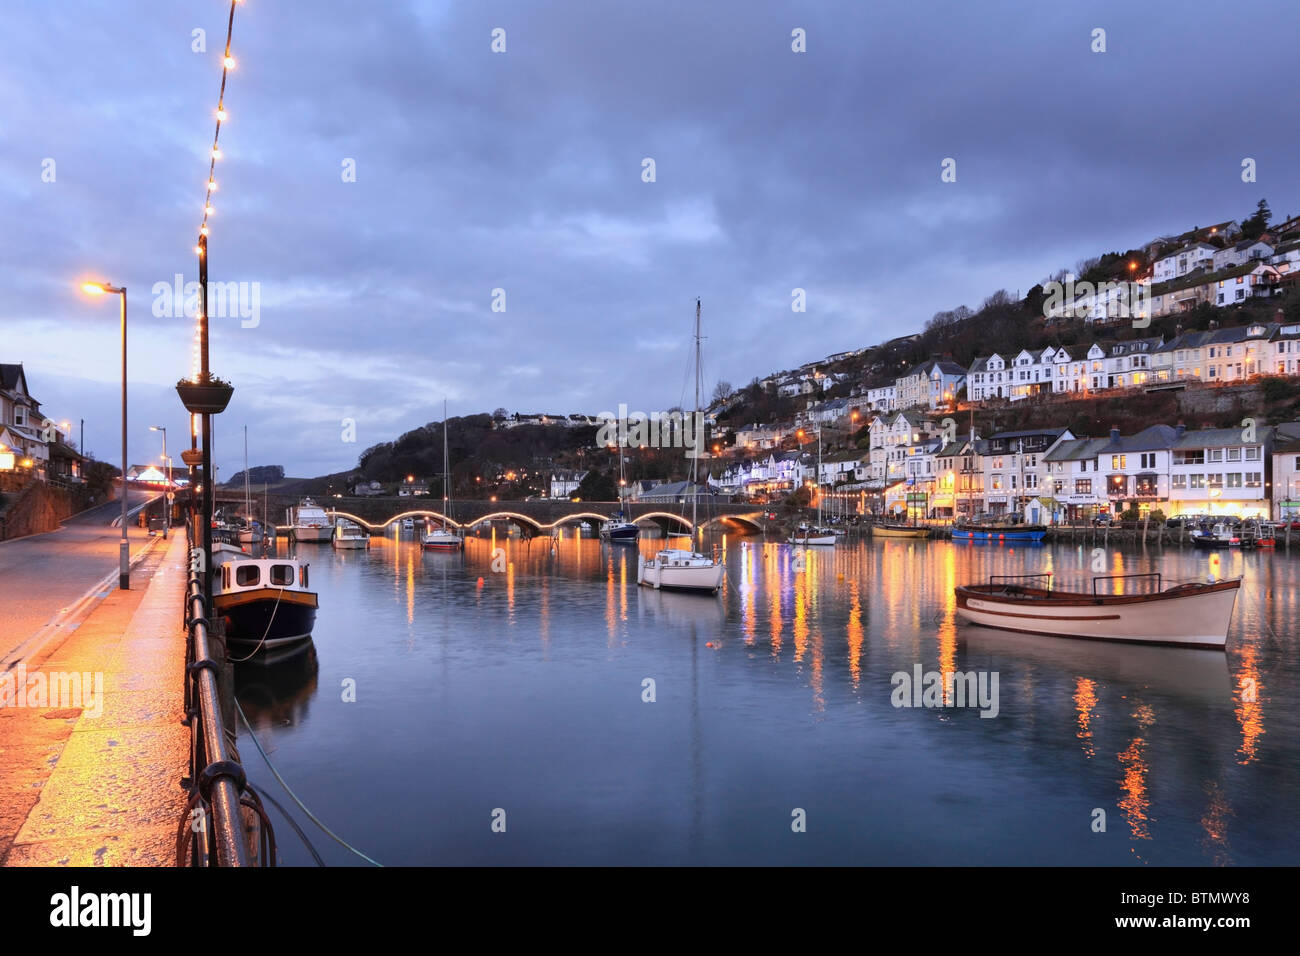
column 523, row 171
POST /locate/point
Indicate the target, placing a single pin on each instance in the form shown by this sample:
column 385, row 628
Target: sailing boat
column 685, row 569
column 443, row 538
column 618, row 529
column 249, row 529
column 817, row 534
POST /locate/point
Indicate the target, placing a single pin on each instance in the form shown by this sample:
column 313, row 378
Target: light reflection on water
column 522, row 690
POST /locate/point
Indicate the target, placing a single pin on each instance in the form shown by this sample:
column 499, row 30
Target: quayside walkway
column 90, row 769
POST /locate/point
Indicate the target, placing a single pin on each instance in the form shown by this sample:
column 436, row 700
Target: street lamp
column 124, row 551
column 168, row 507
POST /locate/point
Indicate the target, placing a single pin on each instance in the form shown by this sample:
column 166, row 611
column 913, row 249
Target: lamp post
column 124, row 550
column 168, row 507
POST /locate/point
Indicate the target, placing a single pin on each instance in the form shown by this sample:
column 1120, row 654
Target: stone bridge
column 541, row 516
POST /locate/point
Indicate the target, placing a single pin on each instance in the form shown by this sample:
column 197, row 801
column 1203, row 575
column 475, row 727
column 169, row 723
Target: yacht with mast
column 685, row 569
column 618, row 529
column 443, row 538
column 817, row 534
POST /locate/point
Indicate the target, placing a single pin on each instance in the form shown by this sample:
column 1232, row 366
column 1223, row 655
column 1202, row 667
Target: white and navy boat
column 264, row 602
column 618, row 529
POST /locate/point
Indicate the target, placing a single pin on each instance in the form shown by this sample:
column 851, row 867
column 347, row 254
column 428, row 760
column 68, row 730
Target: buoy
column 708, row 643
column 480, row 582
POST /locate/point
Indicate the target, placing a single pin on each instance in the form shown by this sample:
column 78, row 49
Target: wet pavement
column 43, row 574
column 93, row 779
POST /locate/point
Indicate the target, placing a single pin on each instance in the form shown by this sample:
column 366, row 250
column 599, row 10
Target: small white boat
column 1218, row 535
column 685, row 569
column 349, row 537
column 813, row 535
column 1193, row 615
column 408, row 524
column 680, row 569
column 442, row 539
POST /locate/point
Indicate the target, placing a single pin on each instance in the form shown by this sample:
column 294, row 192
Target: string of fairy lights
column 227, row 64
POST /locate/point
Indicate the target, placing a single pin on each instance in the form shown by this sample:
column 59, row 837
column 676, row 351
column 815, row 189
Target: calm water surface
column 522, row 690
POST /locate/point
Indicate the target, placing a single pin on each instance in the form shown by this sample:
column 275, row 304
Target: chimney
column 1114, row 433
column 1178, row 431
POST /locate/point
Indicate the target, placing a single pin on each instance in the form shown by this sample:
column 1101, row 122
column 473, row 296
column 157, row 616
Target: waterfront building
column 1014, row 467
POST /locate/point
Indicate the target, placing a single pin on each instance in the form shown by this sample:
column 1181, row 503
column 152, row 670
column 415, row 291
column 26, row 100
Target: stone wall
column 35, row 508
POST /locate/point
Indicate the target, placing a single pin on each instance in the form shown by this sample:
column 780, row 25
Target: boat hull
column 626, row 535
column 998, row 534
column 312, row 534
column 1197, row 617
column 825, row 539
column 267, row 617
column 665, row 575
column 890, row 531
column 351, row 544
column 442, row 544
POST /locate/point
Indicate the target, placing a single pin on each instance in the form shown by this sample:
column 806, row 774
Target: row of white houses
column 1239, row 471
column 915, row 460
column 1216, row 355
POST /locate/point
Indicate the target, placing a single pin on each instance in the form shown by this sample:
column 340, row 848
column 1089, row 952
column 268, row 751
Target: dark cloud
column 522, row 171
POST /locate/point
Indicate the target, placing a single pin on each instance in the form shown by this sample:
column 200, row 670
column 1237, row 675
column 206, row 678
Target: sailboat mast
column 695, row 460
column 446, row 469
column 248, row 507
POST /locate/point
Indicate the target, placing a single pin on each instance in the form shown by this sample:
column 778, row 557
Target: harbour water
column 524, row 690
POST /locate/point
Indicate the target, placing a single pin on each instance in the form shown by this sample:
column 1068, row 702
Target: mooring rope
column 287, row 789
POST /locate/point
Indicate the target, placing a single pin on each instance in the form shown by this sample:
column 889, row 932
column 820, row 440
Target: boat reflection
column 1172, row 671
column 277, row 694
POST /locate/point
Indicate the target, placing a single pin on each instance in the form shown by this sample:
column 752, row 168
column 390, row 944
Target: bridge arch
column 663, row 517
column 519, row 519
column 749, row 523
column 380, row 526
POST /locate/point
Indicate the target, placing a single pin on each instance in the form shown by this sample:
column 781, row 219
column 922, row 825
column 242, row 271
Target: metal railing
column 213, row 826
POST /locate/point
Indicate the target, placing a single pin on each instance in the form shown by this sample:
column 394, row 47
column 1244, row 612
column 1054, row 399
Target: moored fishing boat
column 1217, row 535
column 264, row 602
column 1193, row 614
column 965, row 531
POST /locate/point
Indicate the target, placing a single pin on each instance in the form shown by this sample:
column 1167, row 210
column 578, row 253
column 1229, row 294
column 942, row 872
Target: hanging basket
column 204, row 399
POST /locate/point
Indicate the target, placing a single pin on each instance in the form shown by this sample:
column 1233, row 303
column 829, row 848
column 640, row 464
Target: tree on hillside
column 596, row 486
column 1254, row 227
column 723, row 391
